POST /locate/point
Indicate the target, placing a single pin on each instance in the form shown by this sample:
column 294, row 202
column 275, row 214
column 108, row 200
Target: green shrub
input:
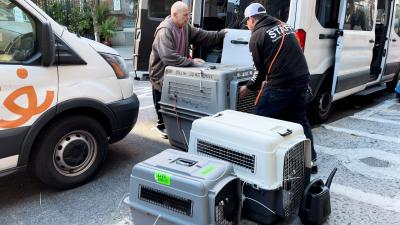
column 76, row 17
column 57, row 11
column 81, row 21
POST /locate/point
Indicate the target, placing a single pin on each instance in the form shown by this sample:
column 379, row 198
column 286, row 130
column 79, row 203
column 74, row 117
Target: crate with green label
column 175, row 187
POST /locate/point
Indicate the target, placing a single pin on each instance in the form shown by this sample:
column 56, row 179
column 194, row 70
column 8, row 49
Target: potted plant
column 106, row 25
column 108, row 30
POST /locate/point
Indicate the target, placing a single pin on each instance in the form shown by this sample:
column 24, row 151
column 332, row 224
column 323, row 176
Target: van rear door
column 150, row 13
column 354, row 47
column 220, row 14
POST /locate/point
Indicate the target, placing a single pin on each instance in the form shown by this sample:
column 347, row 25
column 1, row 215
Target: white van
column 351, row 46
column 63, row 98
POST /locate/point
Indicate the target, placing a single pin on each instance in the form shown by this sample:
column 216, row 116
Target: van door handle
column 138, row 33
column 394, row 39
column 327, row 36
column 339, row 33
column 239, row 42
column 371, row 41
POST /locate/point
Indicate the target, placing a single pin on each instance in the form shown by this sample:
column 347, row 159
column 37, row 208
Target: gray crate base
column 185, row 118
column 145, row 218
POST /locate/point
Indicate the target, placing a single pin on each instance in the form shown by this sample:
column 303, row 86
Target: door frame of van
column 389, row 4
column 388, row 36
column 144, row 35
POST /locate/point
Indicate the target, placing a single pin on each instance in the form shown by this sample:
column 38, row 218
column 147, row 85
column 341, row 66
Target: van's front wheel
column 321, row 107
column 69, row 151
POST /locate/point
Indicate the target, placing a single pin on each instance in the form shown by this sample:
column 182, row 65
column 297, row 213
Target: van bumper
column 126, row 112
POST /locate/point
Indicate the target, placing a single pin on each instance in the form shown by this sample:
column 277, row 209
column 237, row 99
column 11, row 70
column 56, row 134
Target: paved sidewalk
column 125, row 51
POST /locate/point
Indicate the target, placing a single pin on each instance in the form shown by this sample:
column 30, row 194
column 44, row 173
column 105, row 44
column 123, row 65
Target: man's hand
column 224, row 31
column 243, row 92
column 197, row 62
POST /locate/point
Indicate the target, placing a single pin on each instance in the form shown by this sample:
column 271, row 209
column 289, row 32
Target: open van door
column 149, row 15
column 393, row 59
column 228, row 14
column 354, row 48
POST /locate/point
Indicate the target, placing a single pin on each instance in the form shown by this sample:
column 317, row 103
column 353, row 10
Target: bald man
column 171, row 48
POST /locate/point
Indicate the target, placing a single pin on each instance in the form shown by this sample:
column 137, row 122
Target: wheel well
column 397, row 74
column 326, row 80
column 90, row 112
column 391, row 84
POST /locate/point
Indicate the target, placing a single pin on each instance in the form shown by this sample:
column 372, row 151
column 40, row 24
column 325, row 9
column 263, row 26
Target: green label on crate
column 207, row 170
column 162, row 178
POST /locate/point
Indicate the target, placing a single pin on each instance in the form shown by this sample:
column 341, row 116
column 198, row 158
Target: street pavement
column 362, row 140
column 365, row 147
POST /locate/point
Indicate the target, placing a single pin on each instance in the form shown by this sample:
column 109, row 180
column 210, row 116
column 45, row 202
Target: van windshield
column 219, row 14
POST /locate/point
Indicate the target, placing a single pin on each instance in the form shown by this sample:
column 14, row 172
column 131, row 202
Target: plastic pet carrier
column 271, row 157
column 190, row 93
column 174, row 187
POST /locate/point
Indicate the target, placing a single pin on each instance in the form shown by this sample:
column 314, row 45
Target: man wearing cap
column 283, row 67
column 171, row 48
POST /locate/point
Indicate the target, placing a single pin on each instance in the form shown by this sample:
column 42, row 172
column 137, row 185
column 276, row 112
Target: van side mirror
column 47, row 44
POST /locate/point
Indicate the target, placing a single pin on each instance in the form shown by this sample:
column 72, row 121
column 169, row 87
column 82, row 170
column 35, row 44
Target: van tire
column 69, row 151
column 391, row 85
column 321, row 107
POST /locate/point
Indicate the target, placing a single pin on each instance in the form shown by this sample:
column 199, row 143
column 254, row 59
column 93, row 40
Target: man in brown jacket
column 171, row 48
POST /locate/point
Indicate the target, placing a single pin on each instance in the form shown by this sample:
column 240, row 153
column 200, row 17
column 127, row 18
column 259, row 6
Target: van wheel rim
column 324, row 103
column 75, row 153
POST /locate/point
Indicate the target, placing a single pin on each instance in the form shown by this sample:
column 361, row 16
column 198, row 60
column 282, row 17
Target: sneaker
column 314, row 166
column 162, row 132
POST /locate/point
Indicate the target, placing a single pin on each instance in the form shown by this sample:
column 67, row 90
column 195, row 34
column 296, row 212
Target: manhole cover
column 371, row 161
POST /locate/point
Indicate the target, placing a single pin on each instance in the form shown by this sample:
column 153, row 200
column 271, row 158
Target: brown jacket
column 164, row 51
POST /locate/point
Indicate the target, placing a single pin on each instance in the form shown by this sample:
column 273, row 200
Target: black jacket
column 290, row 67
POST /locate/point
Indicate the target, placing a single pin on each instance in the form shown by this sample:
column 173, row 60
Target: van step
column 139, row 76
column 371, row 90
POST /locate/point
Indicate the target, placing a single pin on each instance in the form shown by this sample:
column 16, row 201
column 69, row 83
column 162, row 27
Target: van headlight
column 118, row 65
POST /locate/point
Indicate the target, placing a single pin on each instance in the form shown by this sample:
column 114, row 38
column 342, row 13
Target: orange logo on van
column 31, row 110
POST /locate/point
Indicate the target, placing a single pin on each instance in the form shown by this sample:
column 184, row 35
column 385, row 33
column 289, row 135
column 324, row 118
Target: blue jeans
column 287, row 104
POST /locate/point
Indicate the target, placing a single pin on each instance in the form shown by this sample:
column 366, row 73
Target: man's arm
column 258, row 51
column 256, row 48
column 204, row 38
column 167, row 50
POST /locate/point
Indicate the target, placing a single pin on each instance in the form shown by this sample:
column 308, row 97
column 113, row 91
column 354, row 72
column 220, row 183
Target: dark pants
column 287, row 104
column 156, row 99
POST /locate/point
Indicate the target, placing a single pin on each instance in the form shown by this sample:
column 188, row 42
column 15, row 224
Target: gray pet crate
column 179, row 188
column 190, row 93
